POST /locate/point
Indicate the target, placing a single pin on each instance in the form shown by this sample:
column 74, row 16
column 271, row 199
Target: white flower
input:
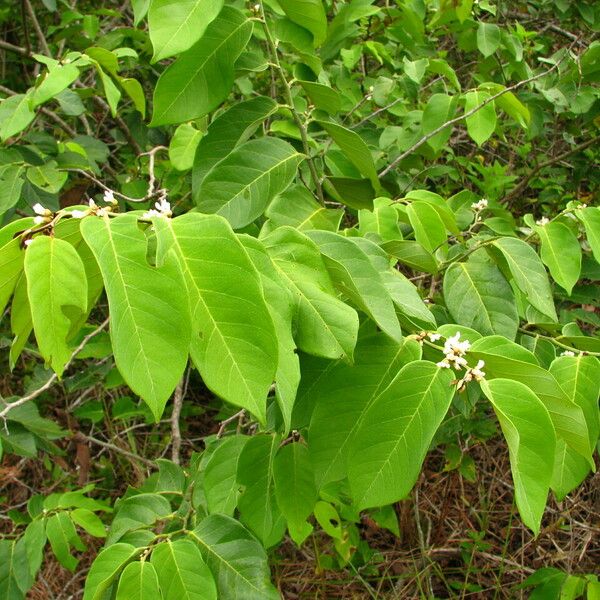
column 39, row 220
column 38, row 209
column 567, row 353
column 454, row 351
column 476, row 371
column 102, row 212
column 79, row 214
column 109, row 197
column 543, row 221
column 443, row 364
column 479, row 206
column 434, row 337
column 92, row 204
column 162, row 209
column 28, row 242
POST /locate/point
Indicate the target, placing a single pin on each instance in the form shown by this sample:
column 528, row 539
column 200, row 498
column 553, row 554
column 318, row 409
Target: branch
column 134, row 457
column 466, row 115
column 48, row 384
column 107, row 189
column 12, row 48
column 175, row 429
column 38, row 29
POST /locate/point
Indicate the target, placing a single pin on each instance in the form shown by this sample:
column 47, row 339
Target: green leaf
column 56, row 283
column 35, row 540
column 481, row 124
column 530, row 436
column 295, row 488
column 325, row 326
column 353, row 274
column 412, row 254
column 440, row 109
column 507, row 360
column 528, row 273
column 403, row 420
column 561, row 253
column 570, row 469
column 15, row 579
column 309, row 14
column 105, row 569
column 488, row 38
column 237, row 560
column 61, row 533
column 341, row 395
column 201, row 78
column 428, row 226
column 176, row 26
column 415, row 69
column 322, row 96
column 478, row 296
column 150, row 322
column 257, row 506
column 241, row 186
column 15, row 115
column 229, row 129
column 355, row 149
column 11, row 184
column 136, row 512
column 234, row 344
column 89, row 521
column 220, row 476
column 381, row 220
column 133, row 88
column 58, row 78
column 139, row 582
column 590, row 217
column 182, row 573
column 11, row 268
column 47, row 177
column 182, row 148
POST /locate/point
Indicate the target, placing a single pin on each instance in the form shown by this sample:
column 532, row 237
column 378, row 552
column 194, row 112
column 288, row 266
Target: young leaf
column 89, row 521
column 237, row 560
column 229, row 129
column 295, row 488
column 481, row 124
column 150, row 321
column 561, row 253
column 106, row 568
column 138, row 581
column 182, row 574
column 234, row 344
column 56, row 282
column 403, row 421
column 182, row 148
column 202, row 77
column 488, row 38
column 531, row 438
column 440, row 108
column 56, row 80
column 428, row 226
column 478, row 296
column 241, row 186
column 325, row 326
column 175, row 26
column 61, row 533
column 590, row 217
column 529, row 273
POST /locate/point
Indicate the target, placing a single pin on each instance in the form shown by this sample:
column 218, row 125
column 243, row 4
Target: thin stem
column 290, row 100
column 38, row 29
column 175, row 429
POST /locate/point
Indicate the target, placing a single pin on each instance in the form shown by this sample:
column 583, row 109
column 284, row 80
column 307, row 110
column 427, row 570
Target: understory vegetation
column 299, row 299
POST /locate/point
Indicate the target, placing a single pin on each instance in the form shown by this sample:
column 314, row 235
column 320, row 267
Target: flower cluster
column 42, row 215
column 162, row 208
column 567, row 353
column 543, row 221
column 479, row 206
column 454, row 353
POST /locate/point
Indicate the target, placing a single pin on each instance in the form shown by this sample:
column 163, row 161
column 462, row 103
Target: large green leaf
column 530, row 435
column 257, row 506
column 200, row 79
column 150, row 325
column 310, row 14
column 528, row 272
column 176, row 25
column 182, row 148
column 325, row 326
column 570, row 469
column 138, row 581
column 488, row 38
column 481, row 124
column 590, row 217
column 61, row 535
column 106, row 568
column 427, row 224
column 439, row 109
column 11, row 268
column 58, row 78
column 229, row 129
column 181, row 572
column 15, row 579
column 11, row 184
column 355, row 276
column 478, row 296
column 295, row 488
column 57, row 290
column 507, row 360
column 234, row 343
column 561, row 253
column 237, row 560
column 342, row 394
column 391, row 442
column 241, row 186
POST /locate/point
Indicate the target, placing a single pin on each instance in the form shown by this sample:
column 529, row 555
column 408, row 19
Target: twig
column 238, row 415
column 466, row 115
column 135, row 457
column 151, row 154
column 175, row 429
column 290, row 100
column 38, row 29
column 12, row 48
column 10, row 405
column 106, row 188
column 122, row 125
